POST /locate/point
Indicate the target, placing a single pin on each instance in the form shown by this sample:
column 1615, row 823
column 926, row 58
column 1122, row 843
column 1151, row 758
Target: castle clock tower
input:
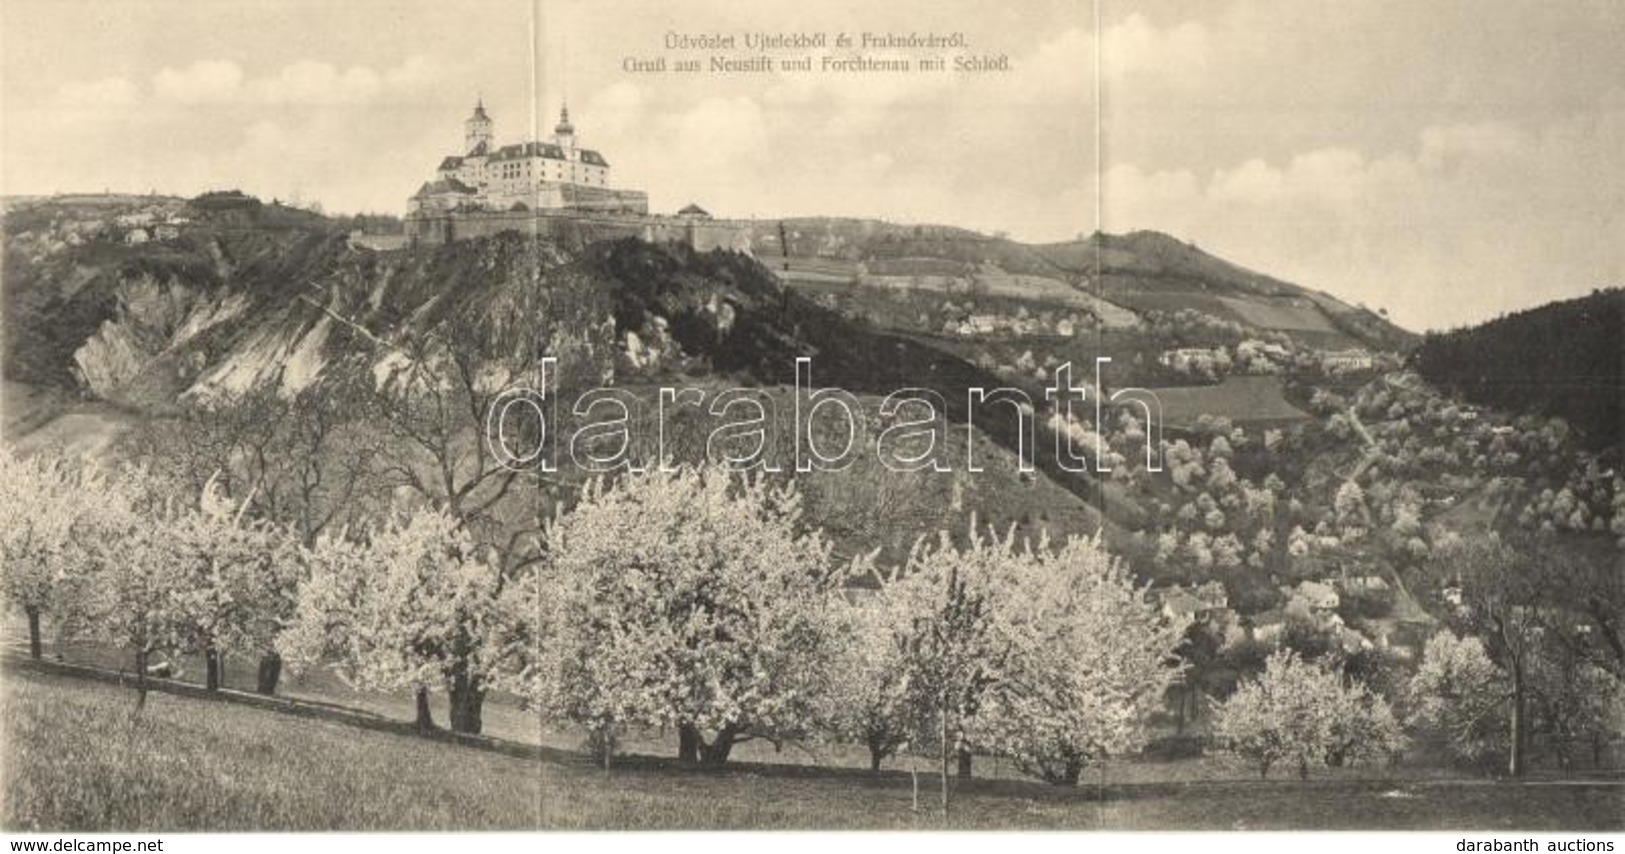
column 477, row 131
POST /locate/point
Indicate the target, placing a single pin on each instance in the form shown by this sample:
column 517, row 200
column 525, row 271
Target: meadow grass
column 77, row 759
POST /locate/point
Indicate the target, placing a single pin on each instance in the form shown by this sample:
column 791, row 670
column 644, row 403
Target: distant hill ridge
column 1141, row 271
column 1564, row 359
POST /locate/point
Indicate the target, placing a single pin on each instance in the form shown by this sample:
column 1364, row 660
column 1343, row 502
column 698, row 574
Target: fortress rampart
column 703, row 234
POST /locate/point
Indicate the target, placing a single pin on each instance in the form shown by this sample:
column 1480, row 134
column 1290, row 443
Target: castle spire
column 564, row 132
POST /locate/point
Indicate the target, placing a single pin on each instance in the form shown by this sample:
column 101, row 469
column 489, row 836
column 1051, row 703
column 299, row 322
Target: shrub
column 1303, row 714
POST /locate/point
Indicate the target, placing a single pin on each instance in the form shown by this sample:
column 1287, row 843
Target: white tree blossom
column 414, row 602
column 1303, row 714
column 692, row 599
column 40, row 499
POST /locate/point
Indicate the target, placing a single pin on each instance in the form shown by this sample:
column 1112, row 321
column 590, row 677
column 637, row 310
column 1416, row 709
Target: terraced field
column 1244, row 400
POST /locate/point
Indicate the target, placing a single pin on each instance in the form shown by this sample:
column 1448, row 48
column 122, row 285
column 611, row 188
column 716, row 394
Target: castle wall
column 701, row 234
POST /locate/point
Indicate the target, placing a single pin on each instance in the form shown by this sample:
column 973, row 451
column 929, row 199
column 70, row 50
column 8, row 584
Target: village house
column 1321, row 598
column 1198, row 604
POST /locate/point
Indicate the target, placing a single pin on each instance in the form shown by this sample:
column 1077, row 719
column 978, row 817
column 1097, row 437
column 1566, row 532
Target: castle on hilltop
column 542, row 186
column 555, row 174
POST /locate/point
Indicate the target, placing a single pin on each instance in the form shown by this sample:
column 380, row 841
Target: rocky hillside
column 1294, row 449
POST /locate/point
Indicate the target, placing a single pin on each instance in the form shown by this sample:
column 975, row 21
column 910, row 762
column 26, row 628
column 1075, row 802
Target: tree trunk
column 467, row 699
column 877, row 752
column 688, row 744
column 944, row 759
column 140, row 679
column 716, row 753
column 964, row 763
column 270, row 674
column 425, row 717
column 1519, row 726
column 33, row 632
column 211, row 668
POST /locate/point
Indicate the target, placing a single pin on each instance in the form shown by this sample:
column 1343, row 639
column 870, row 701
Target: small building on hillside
column 1319, row 596
column 1363, row 583
column 1353, row 359
column 1204, row 602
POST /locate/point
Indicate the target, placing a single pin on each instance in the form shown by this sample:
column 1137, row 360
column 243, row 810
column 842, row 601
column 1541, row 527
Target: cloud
column 1134, row 47
column 108, row 92
column 313, row 83
column 307, row 82
column 208, row 81
column 1447, row 144
column 1471, row 219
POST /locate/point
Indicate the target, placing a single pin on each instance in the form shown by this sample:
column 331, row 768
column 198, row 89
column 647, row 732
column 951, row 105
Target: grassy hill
column 190, row 764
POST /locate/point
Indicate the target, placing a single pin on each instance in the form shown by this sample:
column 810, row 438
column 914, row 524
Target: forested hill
column 1565, row 359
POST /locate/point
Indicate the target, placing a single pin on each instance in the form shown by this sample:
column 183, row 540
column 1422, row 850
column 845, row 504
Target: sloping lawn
column 77, row 759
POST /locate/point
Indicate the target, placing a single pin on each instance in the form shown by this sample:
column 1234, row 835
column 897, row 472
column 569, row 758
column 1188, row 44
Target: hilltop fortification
column 541, row 187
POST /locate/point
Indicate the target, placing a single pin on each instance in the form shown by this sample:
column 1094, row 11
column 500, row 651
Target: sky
column 1447, row 160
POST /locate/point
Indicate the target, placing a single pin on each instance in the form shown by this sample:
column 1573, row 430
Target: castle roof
column 443, row 186
column 692, row 209
column 552, row 151
column 520, row 151
column 451, row 162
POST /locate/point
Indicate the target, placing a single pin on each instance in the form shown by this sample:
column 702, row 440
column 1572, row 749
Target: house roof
column 1181, row 602
column 1316, row 592
column 451, row 162
column 692, row 209
column 1272, row 617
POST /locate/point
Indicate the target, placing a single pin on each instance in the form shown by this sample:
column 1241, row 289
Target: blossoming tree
column 40, row 498
column 1303, row 714
column 693, row 599
column 412, row 603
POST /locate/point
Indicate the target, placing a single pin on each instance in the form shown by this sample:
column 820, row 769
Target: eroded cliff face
column 218, row 311
column 501, row 302
column 144, row 349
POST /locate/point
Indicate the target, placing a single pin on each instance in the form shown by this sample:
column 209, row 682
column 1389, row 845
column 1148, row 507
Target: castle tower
column 477, row 130
column 564, row 132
